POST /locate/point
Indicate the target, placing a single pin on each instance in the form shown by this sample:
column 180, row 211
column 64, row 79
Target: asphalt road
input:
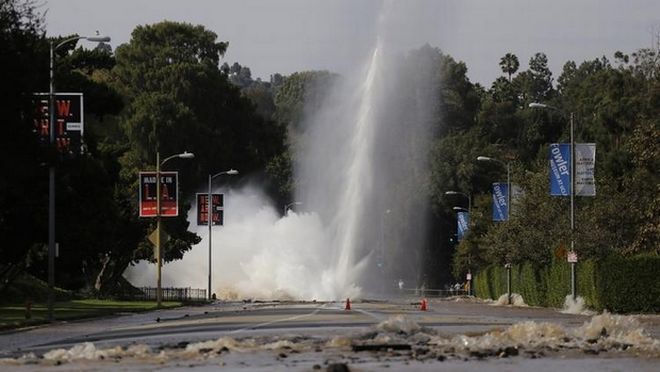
column 304, row 335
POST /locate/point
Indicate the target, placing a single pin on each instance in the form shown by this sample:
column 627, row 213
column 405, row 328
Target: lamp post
column 286, row 207
column 467, row 196
column 507, row 265
column 159, row 252
column 209, row 215
column 537, row 105
column 51, row 171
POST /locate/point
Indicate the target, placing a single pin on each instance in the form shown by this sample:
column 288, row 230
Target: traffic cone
column 348, row 304
column 423, row 306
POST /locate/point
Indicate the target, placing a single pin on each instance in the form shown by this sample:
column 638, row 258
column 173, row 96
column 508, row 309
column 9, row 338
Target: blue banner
column 500, row 201
column 560, row 169
column 463, row 221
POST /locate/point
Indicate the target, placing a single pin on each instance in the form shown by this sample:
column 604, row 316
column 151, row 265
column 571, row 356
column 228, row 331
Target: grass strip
column 14, row 315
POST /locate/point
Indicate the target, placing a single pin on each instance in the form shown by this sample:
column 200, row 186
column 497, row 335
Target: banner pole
column 573, row 293
column 209, row 217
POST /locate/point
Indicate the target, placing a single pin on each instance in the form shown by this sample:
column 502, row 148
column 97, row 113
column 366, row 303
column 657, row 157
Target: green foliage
column 586, row 283
column 509, row 64
column 629, row 284
column 165, row 91
column 301, row 93
column 558, row 280
column 23, row 186
column 530, row 283
column 618, row 284
column 28, row 288
column 612, row 109
column 179, row 99
column 496, row 275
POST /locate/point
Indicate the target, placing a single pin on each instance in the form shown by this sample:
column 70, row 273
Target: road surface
column 459, row 334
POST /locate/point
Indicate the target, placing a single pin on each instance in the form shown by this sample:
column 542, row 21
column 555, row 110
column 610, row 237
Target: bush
column 629, row 284
column 497, row 281
column 530, row 283
column 586, row 284
column 618, row 284
column 481, row 288
column 27, row 287
column 558, row 279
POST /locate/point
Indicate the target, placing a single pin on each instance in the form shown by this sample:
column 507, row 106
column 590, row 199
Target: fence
column 425, row 292
column 173, row 294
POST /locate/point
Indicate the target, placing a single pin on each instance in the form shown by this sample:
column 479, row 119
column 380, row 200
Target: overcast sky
column 285, row 36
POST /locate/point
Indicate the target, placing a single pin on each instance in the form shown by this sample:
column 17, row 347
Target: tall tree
column 509, row 64
column 23, row 191
column 180, row 99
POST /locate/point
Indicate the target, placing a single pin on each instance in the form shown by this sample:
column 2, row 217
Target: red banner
column 169, row 187
column 69, row 121
column 218, row 202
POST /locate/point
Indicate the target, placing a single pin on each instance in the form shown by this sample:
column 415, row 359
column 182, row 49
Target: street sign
column 169, row 187
column 218, row 204
column 163, row 237
column 468, row 276
column 572, row 257
column 69, row 121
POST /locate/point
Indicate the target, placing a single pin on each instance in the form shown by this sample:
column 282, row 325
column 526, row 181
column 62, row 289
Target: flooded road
column 460, row 334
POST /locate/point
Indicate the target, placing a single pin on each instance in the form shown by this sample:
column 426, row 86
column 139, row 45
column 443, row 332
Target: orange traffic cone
column 348, row 304
column 423, row 306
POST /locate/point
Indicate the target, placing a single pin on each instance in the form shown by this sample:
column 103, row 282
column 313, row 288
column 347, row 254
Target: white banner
column 585, row 162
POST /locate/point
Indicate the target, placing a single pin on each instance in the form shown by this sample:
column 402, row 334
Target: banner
column 517, row 193
column 169, row 186
column 463, row 222
column 500, row 202
column 585, row 162
column 218, row 203
column 69, row 121
column 560, row 169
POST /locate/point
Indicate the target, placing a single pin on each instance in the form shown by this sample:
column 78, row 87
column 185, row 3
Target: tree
column 509, row 64
column 300, row 93
column 23, row 190
column 179, row 99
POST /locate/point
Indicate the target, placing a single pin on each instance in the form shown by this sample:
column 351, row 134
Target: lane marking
column 259, row 325
column 372, row 315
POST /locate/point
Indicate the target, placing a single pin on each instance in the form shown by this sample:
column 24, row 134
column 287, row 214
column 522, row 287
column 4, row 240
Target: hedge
column 629, row 284
column 618, row 284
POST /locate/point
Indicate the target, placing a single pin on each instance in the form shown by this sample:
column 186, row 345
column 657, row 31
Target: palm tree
column 509, row 64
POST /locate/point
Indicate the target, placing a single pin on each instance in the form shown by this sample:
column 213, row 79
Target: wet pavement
column 459, row 333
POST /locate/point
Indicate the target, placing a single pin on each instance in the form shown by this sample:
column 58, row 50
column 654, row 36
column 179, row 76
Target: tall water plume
column 360, row 170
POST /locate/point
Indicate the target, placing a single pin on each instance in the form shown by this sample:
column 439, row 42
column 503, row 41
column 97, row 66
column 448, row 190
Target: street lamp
column 508, row 213
column 286, row 207
column 159, row 253
column 467, row 196
column 537, row 105
column 209, row 215
column 51, row 171
column 457, row 210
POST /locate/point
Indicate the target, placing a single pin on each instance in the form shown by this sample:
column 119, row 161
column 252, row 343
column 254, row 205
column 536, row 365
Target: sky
column 284, row 36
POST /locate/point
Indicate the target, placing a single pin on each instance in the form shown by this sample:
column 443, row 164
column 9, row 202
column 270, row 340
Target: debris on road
column 397, row 338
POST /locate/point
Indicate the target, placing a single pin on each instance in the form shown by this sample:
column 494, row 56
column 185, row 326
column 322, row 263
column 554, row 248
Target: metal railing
column 173, row 294
column 426, row 292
